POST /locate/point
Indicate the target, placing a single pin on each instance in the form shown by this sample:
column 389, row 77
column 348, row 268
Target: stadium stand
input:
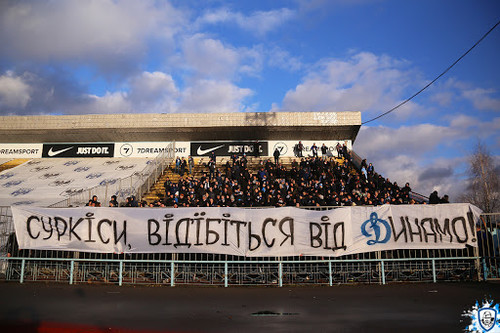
column 43, row 182
column 257, row 182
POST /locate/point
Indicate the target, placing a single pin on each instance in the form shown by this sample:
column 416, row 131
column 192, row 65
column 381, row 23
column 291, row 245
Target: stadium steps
column 13, row 163
column 157, row 191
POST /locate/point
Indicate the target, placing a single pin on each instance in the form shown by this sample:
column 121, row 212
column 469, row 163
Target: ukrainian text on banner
column 286, row 231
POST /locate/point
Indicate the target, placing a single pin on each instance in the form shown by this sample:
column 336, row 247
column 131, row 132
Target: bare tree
column 483, row 189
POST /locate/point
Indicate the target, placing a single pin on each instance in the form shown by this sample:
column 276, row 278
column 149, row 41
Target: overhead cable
column 439, row 76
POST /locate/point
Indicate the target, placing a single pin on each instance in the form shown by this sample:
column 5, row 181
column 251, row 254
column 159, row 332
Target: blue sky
column 82, row 57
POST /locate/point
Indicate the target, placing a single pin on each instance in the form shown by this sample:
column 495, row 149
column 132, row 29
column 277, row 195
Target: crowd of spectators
column 310, row 181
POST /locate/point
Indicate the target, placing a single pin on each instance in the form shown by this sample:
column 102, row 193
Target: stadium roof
column 181, row 127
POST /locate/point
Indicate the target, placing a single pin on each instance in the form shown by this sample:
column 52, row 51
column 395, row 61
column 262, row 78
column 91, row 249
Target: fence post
column 21, row 280
column 434, row 270
column 72, row 268
column 120, row 277
column 330, row 278
column 225, row 274
column 382, row 271
column 172, row 274
column 280, row 274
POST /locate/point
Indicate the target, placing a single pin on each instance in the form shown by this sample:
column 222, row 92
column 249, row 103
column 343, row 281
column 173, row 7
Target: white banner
column 286, row 231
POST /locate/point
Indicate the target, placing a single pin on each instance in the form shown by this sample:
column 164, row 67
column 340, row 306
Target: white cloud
column 116, row 102
column 482, row 100
column 425, row 154
column 364, row 82
column 14, row 91
column 213, row 96
column 108, row 33
column 151, row 87
column 385, row 142
column 210, row 58
column 282, row 59
column 444, row 98
column 259, row 22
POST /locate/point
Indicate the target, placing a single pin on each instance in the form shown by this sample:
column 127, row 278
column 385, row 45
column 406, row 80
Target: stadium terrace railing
column 380, row 267
column 137, row 184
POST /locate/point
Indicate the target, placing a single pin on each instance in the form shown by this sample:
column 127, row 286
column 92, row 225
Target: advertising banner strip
column 228, row 148
column 78, row 150
column 286, row 231
column 20, row 150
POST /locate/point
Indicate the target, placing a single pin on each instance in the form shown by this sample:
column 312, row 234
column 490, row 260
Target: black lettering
column 212, row 232
column 342, row 246
column 123, row 233
column 264, row 224
column 186, row 222
column 72, row 228
column 317, row 236
column 48, row 225
column 252, row 236
column 225, row 243
column 89, row 219
column 153, row 233
column 58, row 220
column 464, row 227
column 443, row 231
column 28, row 226
column 427, row 233
column 402, row 232
column 198, row 225
column 238, row 229
column 290, row 234
column 470, row 217
column 326, row 225
column 167, row 220
column 99, row 231
column 419, row 232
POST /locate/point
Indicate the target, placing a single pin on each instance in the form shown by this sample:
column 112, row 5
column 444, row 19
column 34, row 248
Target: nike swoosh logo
column 52, row 153
column 206, row 151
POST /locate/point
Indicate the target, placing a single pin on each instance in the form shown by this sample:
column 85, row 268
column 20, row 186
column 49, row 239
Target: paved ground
column 420, row 307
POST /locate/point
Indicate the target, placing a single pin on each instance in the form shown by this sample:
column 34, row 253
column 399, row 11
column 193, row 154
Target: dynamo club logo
column 376, row 227
column 483, row 318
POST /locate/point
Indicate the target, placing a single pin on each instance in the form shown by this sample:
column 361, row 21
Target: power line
column 430, row 83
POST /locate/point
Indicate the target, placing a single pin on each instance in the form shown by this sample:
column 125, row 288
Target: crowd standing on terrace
column 310, row 181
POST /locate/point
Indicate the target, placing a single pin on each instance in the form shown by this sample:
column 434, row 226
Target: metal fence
column 137, row 184
column 471, row 263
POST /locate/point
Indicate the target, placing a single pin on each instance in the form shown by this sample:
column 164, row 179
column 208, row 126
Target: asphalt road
column 418, row 307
